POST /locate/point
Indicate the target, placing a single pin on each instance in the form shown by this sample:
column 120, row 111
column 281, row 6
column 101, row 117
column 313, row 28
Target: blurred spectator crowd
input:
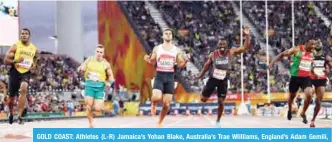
column 197, row 26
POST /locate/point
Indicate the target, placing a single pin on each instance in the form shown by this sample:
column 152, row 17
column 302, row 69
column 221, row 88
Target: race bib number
column 305, row 65
column 165, row 64
column 93, row 76
column 319, row 71
column 219, row 74
column 26, row 63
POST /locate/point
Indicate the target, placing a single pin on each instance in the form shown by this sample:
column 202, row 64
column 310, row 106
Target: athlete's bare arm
column 110, row 76
column 288, row 52
column 35, row 60
column 82, row 67
column 245, row 47
column 9, row 58
column 205, row 67
column 329, row 61
column 151, row 59
column 182, row 59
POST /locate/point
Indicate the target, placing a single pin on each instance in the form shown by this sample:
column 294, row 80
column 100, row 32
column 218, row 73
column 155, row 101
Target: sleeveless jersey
column 95, row 70
column 220, row 65
column 27, row 52
column 301, row 63
column 166, row 59
column 319, row 64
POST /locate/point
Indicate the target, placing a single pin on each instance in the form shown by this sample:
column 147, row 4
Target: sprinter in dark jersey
column 319, row 78
column 302, row 58
column 218, row 63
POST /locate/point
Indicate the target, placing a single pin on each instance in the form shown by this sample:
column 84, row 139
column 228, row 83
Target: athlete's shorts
column 94, row 91
column 297, row 82
column 319, row 82
column 164, row 81
column 15, row 80
column 212, row 84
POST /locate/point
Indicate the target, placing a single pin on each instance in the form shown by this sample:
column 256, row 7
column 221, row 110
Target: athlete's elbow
column 7, row 61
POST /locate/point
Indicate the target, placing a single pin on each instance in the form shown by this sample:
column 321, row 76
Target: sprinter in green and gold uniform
column 22, row 58
column 98, row 75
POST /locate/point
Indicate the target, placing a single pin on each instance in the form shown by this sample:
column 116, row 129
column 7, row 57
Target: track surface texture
column 23, row 133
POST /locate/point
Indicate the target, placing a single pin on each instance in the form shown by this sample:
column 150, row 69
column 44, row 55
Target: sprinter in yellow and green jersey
column 300, row 71
column 22, row 58
column 98, row 75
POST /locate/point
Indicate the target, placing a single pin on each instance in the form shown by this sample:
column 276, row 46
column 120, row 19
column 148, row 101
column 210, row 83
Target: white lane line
column 179, row 121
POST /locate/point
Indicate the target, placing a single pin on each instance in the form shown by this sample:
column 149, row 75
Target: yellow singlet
column 28, row 53
column 96, row 70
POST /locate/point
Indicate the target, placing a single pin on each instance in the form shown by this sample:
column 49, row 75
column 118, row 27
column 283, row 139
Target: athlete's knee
column 221, row 101
column 204, row 99
column 24, row 87
column 98, row 109
column 167, row 105
column 89, row 108
column 156, row 95
column 308, row 91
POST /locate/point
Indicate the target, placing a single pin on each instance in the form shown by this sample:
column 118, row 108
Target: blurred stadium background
column 129, row 30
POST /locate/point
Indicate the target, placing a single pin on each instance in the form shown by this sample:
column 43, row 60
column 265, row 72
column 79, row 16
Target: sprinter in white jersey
column 166, row 55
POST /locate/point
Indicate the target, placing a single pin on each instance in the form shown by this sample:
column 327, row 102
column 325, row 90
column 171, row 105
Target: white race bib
column 93, row 76
column 305, row 65
column 166, row 64
column 26, row 63
column 219, row 74
column 319, row 71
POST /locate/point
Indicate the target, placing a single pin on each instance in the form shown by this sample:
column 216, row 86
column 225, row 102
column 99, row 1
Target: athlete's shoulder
column 33, row 46
column 18, row 43
column 106, row 62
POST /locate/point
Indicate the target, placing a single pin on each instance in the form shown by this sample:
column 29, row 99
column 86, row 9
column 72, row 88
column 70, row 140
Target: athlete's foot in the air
column 11, row 119
column 304, row 118
column 312, row 124
column 289, row 115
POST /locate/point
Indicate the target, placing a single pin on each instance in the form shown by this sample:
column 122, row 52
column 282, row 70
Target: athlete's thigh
column 169, row 87
column 222, row 89
column 320, row 92
column 13, row 85
column 89, row 92
column 99, row 93
column 209, row 88
column 306, row 85
column 89, row 101
column 98, row 104
column 156, row 95
column 167, row 98
column 293, row 85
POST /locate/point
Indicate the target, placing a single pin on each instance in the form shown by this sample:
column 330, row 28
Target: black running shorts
column 297, row 82
column 212, row 84
column 319, row 82
column 15, row 80
column 164, row 81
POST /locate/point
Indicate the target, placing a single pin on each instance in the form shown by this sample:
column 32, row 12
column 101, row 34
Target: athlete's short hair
column 168, row 29
column 100, row 46
column 26, row 29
